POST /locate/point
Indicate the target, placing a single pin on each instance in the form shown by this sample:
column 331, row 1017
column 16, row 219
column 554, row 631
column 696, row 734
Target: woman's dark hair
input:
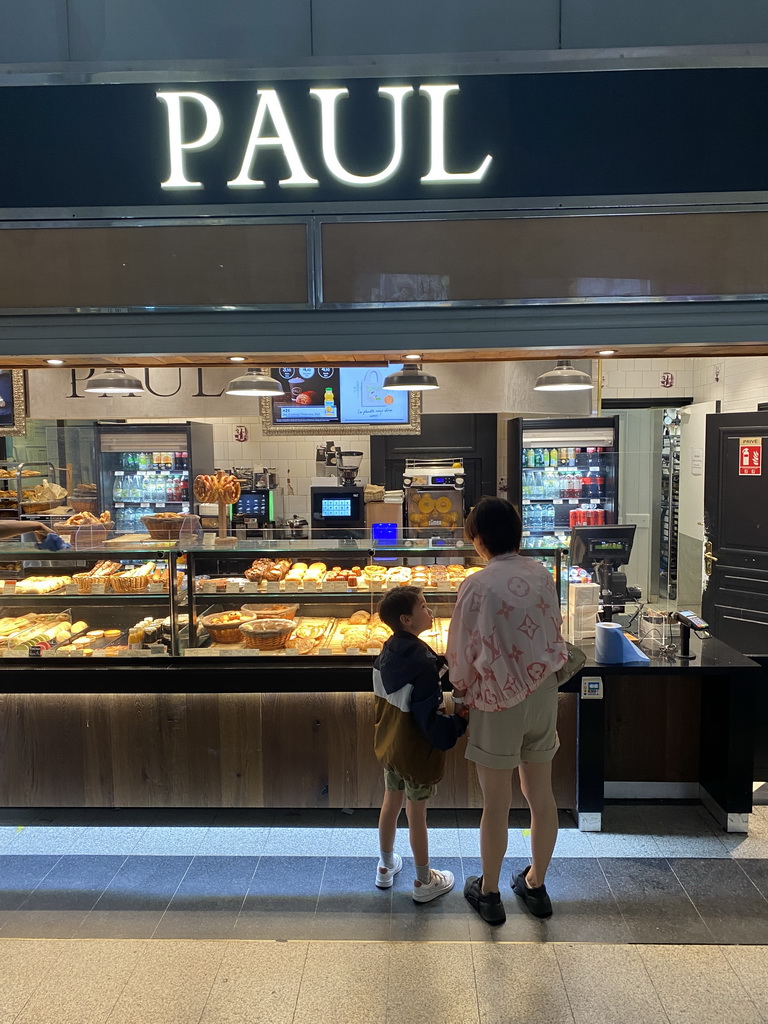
column 497, row 524
column 396, row 602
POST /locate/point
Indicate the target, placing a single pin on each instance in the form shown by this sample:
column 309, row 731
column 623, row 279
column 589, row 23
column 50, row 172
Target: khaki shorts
column 393, row 781
column 525, row 732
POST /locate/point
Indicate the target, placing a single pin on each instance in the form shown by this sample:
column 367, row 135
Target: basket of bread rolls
column 84, row 529
column 267, row 634
column 132, row 581
column 168, row 525
column 224, row 627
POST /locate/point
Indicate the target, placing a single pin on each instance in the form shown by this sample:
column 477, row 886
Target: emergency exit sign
column 750, row 456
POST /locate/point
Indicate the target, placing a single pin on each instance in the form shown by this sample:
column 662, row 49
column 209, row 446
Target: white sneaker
column 440, row 882
column 385, row 876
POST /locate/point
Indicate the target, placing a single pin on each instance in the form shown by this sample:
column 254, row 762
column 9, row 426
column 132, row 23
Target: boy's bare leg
column 536, row 783
column 496, row 784
column 391, row 806
column 417, row 830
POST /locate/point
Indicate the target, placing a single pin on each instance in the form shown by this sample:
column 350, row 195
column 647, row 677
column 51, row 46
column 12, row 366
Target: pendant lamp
column 410, row 378
column 255, row 382
column 113, row 382
column 564, row 377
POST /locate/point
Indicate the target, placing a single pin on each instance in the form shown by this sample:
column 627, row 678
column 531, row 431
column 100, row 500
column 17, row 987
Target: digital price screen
column 329, row 395
column 336, row 508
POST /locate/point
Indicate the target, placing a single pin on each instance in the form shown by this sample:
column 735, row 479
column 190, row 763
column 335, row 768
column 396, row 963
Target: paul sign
column 271, row 130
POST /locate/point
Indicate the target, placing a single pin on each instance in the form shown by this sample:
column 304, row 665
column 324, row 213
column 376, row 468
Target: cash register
column 604, row 550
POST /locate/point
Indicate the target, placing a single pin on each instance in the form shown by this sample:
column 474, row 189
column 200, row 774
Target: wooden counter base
column 217, row 750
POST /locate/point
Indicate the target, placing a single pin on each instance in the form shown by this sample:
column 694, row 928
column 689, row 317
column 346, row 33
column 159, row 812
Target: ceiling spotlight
column 410, row 378
column 564, row 377
column 607, row 352
column 237, row 359
column 256, row 383
column 413, row 356
column 113, row 382
column 55, row 362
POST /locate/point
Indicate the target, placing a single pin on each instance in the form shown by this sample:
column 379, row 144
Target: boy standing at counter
column 411, row 733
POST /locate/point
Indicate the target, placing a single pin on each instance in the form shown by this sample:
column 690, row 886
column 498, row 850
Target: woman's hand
column 41, row 530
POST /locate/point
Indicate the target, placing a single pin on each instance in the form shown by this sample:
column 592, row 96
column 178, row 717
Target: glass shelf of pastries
column 319, row 598
column 72, row 603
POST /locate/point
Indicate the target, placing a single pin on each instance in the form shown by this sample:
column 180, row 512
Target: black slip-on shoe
column 536, row 900
column 487, row 904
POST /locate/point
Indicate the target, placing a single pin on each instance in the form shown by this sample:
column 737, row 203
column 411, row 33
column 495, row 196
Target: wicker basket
column 84, row 582
column 223, row 632
column 128, row 584
column 33, row 507
column 82, row 504
column 271, row 611
column 267, row 634
column 170, row 529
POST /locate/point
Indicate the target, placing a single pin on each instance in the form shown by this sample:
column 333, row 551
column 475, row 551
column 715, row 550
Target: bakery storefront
column 207, row 638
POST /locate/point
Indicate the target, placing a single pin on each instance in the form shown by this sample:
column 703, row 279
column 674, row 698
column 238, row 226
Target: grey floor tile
column 701, row 846
column 344, row 982
column 74, row 883
column 652, row 901
column 282, row 899
column 233, row 842
column 368, row 817
column 750, row 963
column 23, row 965
column 208, row 900
column 285, row 841
column 520, row 983
column 445, row 919
column 606, row 983
column 107, row 840
column 20, row 875
column 354, row 842
column 622, row 844
column 518, row 844
column 572, row 843
column 49, row 839
column 184, row 817
column 257, row 983
column 171, row 983
column 678, row 819
column 42, row 924
column 84, row 984
column 144, row 883
column 170, row 841
column 733, row 908
column 419, row 985
column 125, row 817
column 244, row 817
column 696, row 985
column 584, row 908
column 119, row 924
column 197, row 924
column 757, row 871
column 520, row 926
column 304, row 817
column 443, row 842
column 349, row 905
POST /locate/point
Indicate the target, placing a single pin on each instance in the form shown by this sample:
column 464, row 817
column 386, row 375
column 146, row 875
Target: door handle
column 709, row 558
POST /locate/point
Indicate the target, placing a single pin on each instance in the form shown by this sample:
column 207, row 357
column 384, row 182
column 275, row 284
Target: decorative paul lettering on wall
column 411, row 139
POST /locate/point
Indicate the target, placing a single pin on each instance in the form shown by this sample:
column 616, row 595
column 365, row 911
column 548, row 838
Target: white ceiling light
column 255, row 383
column 410, row 378
column 237, row 359
column 564, row 377
column 55, row 362
column 607, row 352
column 113, row 382
column 413, row 356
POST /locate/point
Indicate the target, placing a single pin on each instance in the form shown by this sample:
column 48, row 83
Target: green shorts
column 393, row 781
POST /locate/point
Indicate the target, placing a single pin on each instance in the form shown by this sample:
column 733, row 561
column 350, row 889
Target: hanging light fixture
column 564, row 377
column 255, row 383
column 113, row 382
column 410, row 378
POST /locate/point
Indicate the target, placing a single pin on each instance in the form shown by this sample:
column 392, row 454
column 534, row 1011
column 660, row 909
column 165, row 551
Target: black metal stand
column 685, row 643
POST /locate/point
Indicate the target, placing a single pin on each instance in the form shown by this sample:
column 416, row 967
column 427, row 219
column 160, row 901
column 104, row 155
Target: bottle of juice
column 329, row 403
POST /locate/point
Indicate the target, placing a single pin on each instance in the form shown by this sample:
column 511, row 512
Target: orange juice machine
column 434, row 496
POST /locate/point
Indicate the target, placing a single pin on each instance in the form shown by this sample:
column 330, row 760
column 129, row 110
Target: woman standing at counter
column 504, row 648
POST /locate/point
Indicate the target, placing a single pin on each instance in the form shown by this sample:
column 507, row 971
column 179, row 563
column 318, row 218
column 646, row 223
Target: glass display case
column 280, row 599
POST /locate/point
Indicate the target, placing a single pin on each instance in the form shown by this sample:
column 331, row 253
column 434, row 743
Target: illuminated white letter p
column 176, row 144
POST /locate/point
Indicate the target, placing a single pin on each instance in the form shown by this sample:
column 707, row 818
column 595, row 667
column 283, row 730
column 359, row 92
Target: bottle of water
column 550, row 518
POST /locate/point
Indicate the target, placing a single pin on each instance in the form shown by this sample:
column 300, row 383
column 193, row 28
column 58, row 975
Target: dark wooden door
column 735, row 601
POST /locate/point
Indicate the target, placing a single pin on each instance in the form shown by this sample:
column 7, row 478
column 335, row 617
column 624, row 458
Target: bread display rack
column 16, row 472
column 220, row 489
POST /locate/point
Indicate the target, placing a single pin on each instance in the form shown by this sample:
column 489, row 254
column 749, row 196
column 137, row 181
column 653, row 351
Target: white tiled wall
column 640, row 378
column 738, row 383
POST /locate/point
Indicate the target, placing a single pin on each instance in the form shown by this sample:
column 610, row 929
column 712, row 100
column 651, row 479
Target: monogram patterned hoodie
column 504, row 639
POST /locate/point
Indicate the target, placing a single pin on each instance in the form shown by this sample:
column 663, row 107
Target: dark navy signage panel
column 565, row 134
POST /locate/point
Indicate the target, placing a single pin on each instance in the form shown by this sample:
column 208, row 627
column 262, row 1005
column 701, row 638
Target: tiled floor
column 122, row 917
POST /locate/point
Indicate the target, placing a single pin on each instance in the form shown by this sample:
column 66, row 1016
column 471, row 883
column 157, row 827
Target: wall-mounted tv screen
column 332, row 396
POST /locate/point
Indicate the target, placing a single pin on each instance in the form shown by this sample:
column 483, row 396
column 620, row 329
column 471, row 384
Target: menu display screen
column 336, row 507
column 330, row 395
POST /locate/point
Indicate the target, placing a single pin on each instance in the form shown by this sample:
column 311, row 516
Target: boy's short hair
column 497, row 524
column 396, row 602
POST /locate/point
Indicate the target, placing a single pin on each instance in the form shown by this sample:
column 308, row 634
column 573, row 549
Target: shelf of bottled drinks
column 563, row 488
column 149, row 481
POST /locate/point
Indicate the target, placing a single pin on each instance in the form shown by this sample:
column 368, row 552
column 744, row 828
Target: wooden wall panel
column 216, row 750
column 652, row 729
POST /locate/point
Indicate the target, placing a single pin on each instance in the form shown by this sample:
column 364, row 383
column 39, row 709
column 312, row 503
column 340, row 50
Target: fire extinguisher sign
column 750, row 456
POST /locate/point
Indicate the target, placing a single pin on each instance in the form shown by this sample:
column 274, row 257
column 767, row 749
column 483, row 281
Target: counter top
column 712, row 658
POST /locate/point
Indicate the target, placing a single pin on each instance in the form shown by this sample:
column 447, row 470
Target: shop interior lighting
column 237, row 359
column 410, row 378
column 55, row 362
column 564, row 377
column 413, row 356
column 255, row 383
column 113, row 382
column 607, row 352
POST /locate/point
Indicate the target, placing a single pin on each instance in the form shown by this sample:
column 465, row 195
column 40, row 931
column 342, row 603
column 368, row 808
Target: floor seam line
column 565, row 987
column 690, row 899
column 638, row 948
column 165, row 911
column 298, row 987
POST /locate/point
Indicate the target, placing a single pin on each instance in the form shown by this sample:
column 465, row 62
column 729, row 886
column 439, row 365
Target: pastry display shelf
column 62, row 595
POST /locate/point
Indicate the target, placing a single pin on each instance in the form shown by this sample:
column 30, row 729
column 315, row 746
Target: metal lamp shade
column 410, row 378
column 255, row 383
column 564, row 377
column 113, row 382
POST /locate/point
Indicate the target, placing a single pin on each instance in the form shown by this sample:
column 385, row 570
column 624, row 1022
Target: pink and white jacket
column 505, row 639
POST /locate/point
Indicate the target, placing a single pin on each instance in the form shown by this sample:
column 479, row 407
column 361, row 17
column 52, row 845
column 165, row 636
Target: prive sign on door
column 270, row 129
